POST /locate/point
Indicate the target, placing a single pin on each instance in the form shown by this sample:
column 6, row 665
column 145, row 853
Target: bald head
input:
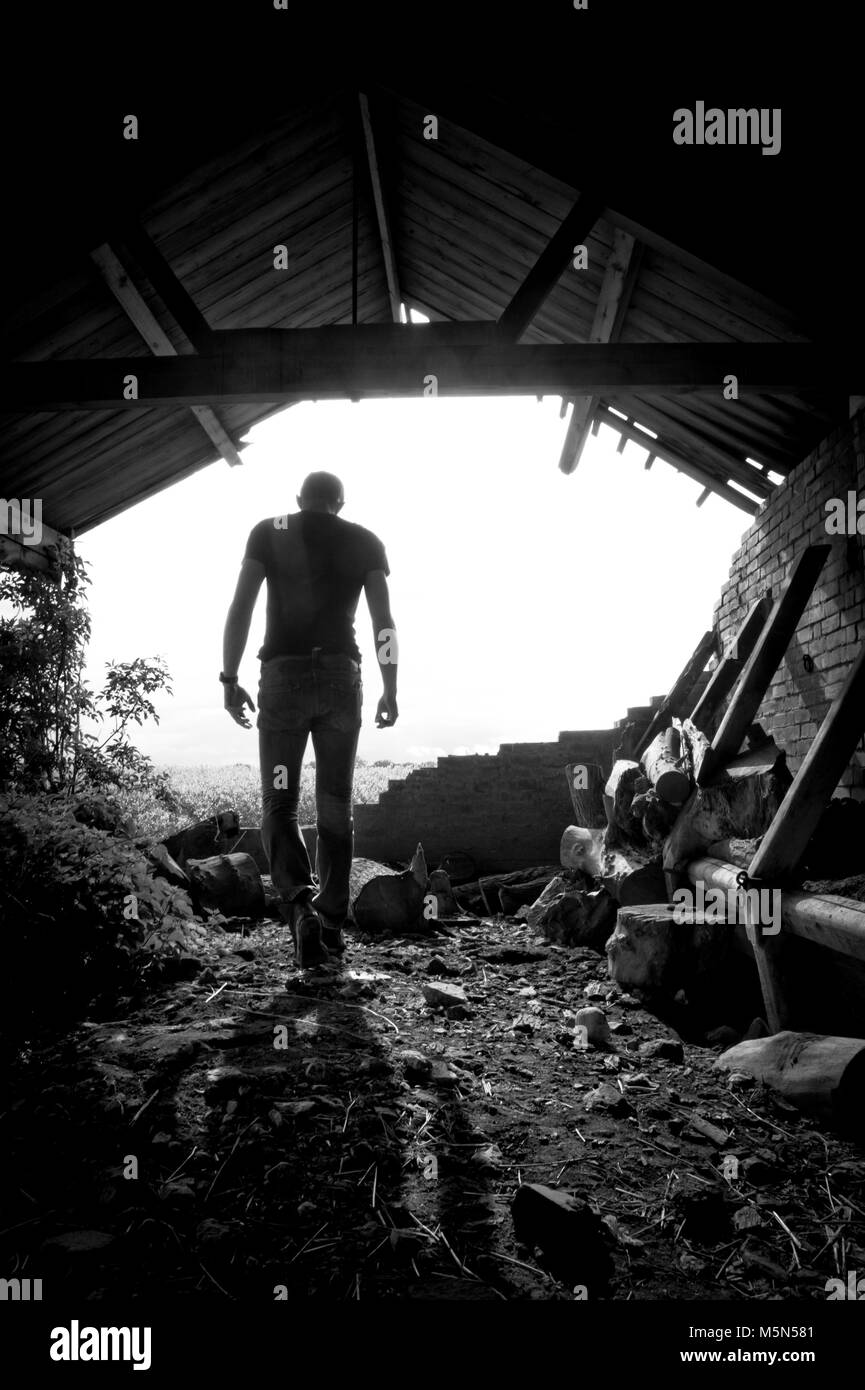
column 321, row 492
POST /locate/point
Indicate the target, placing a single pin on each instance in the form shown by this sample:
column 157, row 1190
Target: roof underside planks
column 454, row 225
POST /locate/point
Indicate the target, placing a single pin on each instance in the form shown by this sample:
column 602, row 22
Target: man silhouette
column 315, row 565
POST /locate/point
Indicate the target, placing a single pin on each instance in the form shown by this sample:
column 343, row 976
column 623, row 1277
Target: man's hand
column 235, row 699
column 386, row 713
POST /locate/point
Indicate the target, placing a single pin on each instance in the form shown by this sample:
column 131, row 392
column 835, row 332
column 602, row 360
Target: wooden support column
column 381, row 210
column 676, row 702
column 781, row 849
column 725, row 673
column 764, row 661
column 617, row 287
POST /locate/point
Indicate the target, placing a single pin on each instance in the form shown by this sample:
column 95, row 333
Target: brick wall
column 832, row 628
column 509, row 809
column 506, row 809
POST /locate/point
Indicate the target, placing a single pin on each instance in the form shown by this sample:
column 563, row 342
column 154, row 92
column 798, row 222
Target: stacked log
column 586, row 786
column 229, row 882
column 740, row 806
column 384, row 899
column 216, row 835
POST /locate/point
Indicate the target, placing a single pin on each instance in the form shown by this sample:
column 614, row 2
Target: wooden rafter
column 177, row 301
column 668, row 454
column 117, row 279
column 273, row 365
column 549, row 267
column 381, row 210
column 617, row 287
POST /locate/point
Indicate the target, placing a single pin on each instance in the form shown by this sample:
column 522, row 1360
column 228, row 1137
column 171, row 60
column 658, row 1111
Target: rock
column 415, row 1065
column 512, row 955
column 665, row 1049
column 606, row 1099
column 437, row 966
column 292, row 1109
column 223, row 1083
column 211, row 1232
column 441, row 1074
column 374, row 1066
column 79, row 1242
column 183, row 967
column 442, row 996
column 459, row 1011
column 573, row 916
column 569, row 1234
column 759, row 1170
column 525, row 1023
column 704, row 1211
column 594, row 1021
column 489, row 1159
column 747, row 1218
column 356, row 989
column 621, row 1028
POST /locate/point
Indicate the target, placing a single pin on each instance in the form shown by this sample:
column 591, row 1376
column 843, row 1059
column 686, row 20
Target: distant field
column 205, row 790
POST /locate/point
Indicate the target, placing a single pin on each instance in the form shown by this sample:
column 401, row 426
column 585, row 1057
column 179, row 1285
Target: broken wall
column 507, row 810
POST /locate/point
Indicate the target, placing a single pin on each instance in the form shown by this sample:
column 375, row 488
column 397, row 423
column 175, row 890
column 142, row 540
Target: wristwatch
column 227, row 680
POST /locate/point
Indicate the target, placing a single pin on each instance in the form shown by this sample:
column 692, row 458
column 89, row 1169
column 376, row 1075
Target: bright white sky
column 526, row 602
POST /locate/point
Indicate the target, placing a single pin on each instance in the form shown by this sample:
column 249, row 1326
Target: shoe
column 332, row 937
column 306, row 931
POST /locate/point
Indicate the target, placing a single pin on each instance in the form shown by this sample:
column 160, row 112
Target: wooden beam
column 727, row 671
column 549, row 267
column 274, row 365
column 786, row 840
column 117, row 279
column 603, row 415
column 620, row 276
column 764, row 661
column 836, row 923
column 676, row 702
column 18, row 555
column 172, row 293
column 381, row 211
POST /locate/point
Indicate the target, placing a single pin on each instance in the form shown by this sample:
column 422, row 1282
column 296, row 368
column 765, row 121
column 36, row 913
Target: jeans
column 319, row 695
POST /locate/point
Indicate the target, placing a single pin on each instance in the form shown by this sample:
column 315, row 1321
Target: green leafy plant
column 45, row 703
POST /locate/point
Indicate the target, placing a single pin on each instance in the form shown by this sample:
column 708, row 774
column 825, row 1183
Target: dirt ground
column 254, row 1132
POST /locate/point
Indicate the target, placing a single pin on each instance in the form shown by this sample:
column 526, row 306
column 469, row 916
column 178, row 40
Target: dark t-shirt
column 316, row 565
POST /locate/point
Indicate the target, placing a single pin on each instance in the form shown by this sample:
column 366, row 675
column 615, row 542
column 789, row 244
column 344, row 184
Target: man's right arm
column 384, row 633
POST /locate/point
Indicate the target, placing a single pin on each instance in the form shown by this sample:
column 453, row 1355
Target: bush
column 79, row 905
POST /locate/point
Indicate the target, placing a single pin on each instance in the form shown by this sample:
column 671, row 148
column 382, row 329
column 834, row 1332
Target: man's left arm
column 234, row 639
